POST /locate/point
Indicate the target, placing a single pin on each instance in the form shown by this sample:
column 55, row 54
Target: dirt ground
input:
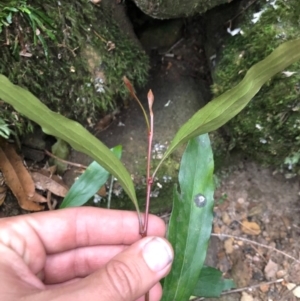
column 256, row 231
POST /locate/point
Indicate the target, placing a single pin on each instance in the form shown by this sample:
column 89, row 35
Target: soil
column 267, row 205
column 256, row 227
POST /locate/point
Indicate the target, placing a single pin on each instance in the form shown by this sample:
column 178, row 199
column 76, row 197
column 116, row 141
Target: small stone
column 271, row 270
column 228, row 245
column 225, row 218
column 281, row 274
column 250, row 228
column 264, row 287
column 217, row 229
column 241, row 201
column 287, row 222
column 246, row 297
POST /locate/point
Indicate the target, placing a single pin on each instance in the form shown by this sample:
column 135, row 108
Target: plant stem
column 149, row 178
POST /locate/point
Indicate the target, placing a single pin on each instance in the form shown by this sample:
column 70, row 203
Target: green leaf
column 94, row 177
column 221, row 109
column 61, row 150
column 68, row 130
column 4, row 129
column 190, row 223
column 211, row 284
column 9, row 18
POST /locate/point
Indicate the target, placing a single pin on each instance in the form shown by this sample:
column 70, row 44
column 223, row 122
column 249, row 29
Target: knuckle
column 123, row 279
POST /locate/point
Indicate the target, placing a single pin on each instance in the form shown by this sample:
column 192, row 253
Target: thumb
column 132, row 273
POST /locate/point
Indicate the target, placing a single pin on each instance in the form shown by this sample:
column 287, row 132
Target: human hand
column 81, row 254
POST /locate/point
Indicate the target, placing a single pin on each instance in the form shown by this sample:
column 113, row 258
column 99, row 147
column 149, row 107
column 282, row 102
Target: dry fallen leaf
column 102, row 191
column 54, row 184
column 13, row 182
column 20, row 169
column 17, row 178
column 251, row 228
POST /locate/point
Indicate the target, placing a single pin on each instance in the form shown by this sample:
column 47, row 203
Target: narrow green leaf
column 220, row 110
column 211, row 284
column 68, row 130
column 191, row 219
column 13, row 9
column 87, row 185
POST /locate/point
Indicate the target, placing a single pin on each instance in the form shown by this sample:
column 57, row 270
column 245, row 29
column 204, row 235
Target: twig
column 49, row 200
column 256, row 243
column 102, row 39
column 172, row 47
column 72, row 50
column 110, row 191
column 64, row 161
column 238, row 290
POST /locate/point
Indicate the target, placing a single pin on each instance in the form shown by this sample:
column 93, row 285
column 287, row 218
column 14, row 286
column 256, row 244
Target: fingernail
column 157, row 254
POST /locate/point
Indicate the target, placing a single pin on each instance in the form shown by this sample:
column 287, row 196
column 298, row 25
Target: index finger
column 71, row 228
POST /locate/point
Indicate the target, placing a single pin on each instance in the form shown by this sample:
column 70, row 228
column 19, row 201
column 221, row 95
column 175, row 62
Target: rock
column 241, row 201
column 228, row 245
column 271, row 270
column 270, row 121
column 162, row 36
column 225, row 218
column 264, row 287
column 246, row 297
column 250, row 228
column 295, row 290
column 281, row 274
column 169, row 9
column 77, row 71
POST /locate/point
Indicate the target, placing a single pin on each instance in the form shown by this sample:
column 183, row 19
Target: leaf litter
column 23, row 183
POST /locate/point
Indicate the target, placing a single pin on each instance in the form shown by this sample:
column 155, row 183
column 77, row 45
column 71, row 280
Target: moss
column 268, row 128
column 167, row 9
column 64, row 79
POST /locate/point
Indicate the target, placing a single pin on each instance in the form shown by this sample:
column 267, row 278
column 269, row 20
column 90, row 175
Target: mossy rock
column 169, row 9
column 71, row 55
column 268, row 128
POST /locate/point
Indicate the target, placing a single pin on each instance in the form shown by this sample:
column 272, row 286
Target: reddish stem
column 149, row 178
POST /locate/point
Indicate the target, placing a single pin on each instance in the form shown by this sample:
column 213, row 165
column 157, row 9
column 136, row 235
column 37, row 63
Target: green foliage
column 192, row 213
column 268, row 128
column 87, row 185
column 68, row 130
column 211, row 284
column 61, row 150
column 191, row 219
column 37, row 20
column 224, row 107
column 4, row 129
column 67, row 62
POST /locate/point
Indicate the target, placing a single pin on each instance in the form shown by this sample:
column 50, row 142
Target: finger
column 67, row 229
column 127, row 277
column 155, row 292
column 81, row 262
